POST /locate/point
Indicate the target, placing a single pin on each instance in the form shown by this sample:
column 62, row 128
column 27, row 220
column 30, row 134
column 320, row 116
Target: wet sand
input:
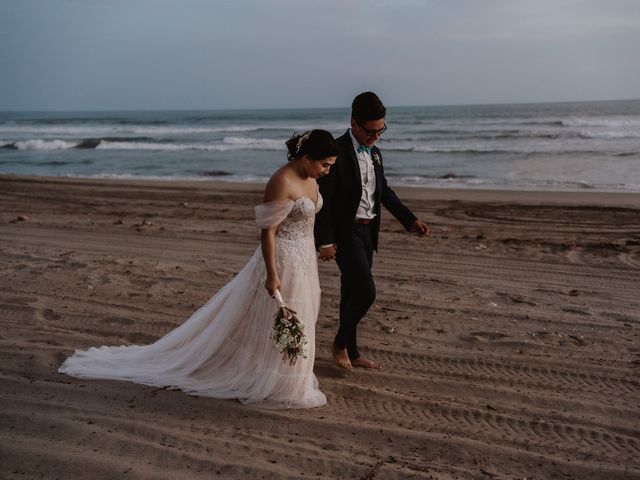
column 510, row 338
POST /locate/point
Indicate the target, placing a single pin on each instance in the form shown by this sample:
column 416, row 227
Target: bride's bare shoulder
column 279, row 186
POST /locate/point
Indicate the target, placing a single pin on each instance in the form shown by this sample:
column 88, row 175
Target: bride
column 225, row 350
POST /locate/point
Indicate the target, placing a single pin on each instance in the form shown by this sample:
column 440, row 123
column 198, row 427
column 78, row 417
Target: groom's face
column 369, row 132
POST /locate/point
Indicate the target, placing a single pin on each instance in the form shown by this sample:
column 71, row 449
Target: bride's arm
column 277, row 189
column 268, row 243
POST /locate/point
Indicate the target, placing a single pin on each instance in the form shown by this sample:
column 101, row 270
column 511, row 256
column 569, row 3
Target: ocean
column 550, row 146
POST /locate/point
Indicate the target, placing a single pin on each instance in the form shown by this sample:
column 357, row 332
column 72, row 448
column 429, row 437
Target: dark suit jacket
column 341, row 191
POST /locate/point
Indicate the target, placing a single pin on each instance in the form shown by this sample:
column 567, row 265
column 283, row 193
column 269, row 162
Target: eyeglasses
column 371, row 133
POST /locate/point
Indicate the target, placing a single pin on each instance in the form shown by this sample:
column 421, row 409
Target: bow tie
column 364, row 148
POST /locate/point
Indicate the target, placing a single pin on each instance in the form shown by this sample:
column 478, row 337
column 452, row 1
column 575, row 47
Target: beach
column 509, row 338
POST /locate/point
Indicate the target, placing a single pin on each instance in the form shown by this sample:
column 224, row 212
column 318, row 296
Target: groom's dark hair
column 367, row 106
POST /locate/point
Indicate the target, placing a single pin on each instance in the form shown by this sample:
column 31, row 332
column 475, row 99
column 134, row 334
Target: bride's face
column 320, row 168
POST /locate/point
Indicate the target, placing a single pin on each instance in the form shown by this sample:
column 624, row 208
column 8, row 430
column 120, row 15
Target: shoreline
column 543, row 197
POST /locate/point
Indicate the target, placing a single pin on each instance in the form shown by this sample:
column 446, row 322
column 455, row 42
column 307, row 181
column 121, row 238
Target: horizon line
column 483, row 104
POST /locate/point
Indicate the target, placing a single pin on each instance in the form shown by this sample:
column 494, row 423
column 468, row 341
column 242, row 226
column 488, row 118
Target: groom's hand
column 327, row 252
column 419, row 227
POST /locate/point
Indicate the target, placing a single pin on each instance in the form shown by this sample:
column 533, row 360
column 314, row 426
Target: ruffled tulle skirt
column 224, row 349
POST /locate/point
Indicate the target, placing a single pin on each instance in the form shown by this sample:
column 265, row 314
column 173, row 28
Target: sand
column 509, row 338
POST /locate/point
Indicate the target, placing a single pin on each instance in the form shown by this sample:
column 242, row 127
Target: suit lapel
column 347, row 146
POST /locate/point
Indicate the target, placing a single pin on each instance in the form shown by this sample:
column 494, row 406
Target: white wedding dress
column 224, row 349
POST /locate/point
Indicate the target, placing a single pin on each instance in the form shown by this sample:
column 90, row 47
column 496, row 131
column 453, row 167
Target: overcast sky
column 199, row 54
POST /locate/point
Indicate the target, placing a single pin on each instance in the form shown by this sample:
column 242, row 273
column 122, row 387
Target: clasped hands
column 328, row 252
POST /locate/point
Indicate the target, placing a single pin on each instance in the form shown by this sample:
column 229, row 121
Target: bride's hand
column 327, row 252
column 272, row 284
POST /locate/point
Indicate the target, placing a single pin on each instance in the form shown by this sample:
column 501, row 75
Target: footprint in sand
column 117, row 320
column 629, row 260
column 139, row 338
column 46, row 314
column 482, row 336
column 621, row 317
column 577, row 311
column 573, row 255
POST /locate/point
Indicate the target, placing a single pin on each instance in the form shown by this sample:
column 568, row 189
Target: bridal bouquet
column 288, row 332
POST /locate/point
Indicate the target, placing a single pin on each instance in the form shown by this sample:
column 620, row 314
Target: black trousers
column 357, row 289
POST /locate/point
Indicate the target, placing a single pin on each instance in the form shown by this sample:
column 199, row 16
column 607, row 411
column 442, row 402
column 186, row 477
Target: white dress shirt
column 366, row 208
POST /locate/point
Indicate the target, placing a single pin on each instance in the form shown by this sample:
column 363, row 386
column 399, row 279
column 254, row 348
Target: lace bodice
column 294, row 237
column 298, row 224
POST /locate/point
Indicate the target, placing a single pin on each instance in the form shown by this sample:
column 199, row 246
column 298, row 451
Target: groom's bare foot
column 340, row 357
column 364, row 363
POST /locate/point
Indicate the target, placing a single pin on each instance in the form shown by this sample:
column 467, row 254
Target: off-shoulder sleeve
column 272, row 213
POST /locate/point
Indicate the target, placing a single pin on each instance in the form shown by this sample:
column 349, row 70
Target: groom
column 347, row 227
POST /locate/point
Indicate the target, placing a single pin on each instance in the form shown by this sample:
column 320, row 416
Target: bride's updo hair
column 317, row 144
